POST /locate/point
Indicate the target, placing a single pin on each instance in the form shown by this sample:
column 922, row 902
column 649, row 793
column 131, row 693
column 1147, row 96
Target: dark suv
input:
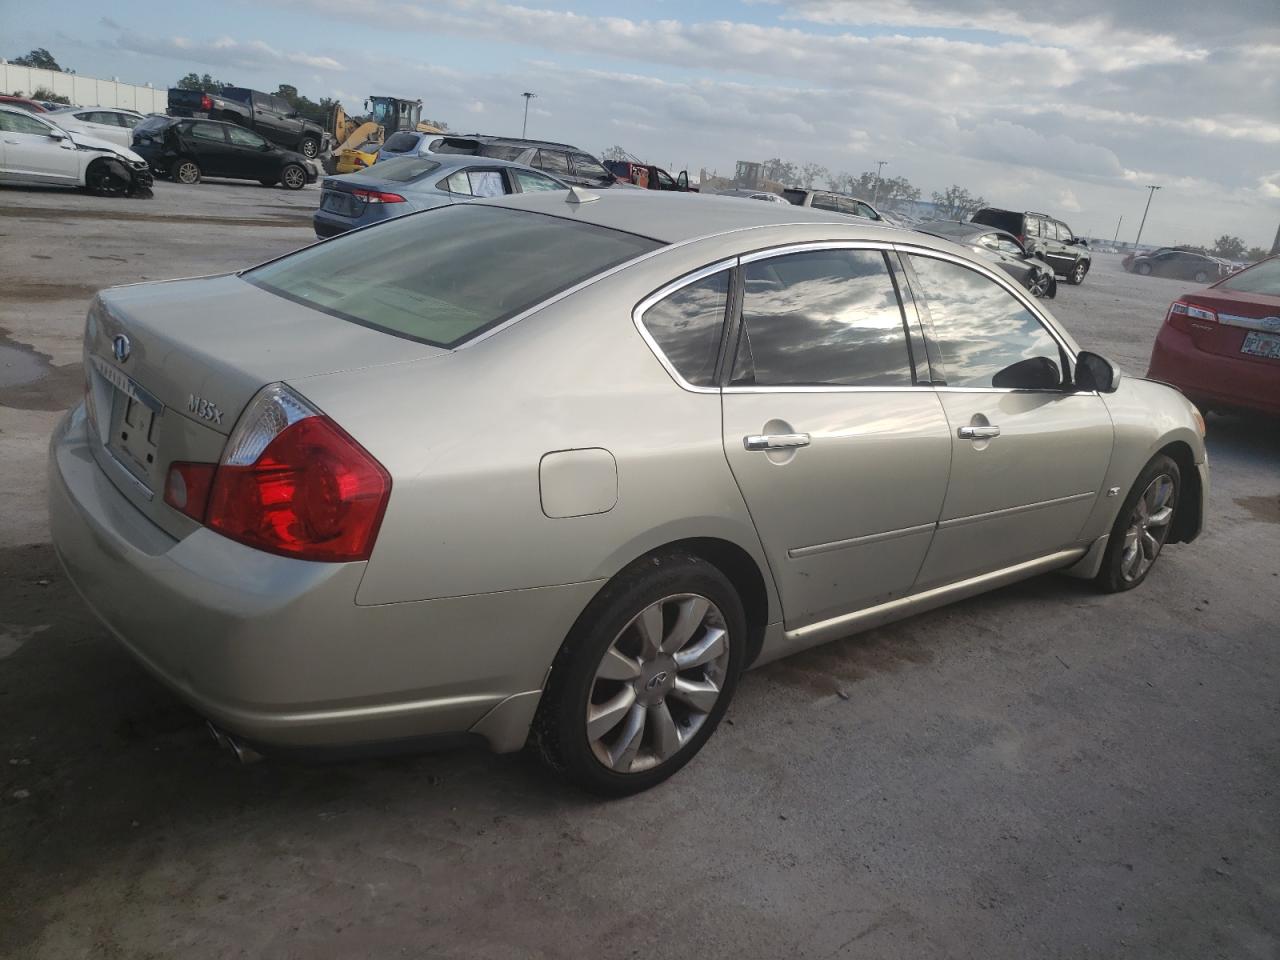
column 565, row 163
column 1044, row 237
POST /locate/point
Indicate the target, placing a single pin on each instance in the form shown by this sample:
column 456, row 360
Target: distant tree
column 1254, row 254
column 205, row 84
column 41, row 59
column 44, row 93
column 956, row 203
column 811, row 173
column 435, row 123
column 898, row 189
column 1229, row 247
column 616, row 152
column 783, row 171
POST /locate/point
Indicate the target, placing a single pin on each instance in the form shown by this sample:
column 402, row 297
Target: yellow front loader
column 386, row 115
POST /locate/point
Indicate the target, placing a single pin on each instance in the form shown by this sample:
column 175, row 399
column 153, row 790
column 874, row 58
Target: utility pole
column 1153, row 188
column 1116, row 238
column 525, row 129
column 875, row 193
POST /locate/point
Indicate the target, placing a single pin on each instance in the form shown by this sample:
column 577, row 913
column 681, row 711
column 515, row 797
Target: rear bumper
column 327, row 225
column 276, row 650
column 1213, row 378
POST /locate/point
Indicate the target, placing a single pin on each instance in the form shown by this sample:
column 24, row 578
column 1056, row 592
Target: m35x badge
column 203, row 409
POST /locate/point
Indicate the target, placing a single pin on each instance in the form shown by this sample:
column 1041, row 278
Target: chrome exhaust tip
column 243, row 752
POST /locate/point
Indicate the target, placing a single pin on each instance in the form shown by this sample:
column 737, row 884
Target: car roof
column 959, row 228
column 680, row 217
column 514, row 141
column 447, row 162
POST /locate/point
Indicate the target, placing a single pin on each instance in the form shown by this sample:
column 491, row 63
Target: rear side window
column 475, row 183
column 401, row 142
column 444, row 276
column 501, row 151
column 979, row 327
column 686, row 326
column 553, row 161
column 822, row 318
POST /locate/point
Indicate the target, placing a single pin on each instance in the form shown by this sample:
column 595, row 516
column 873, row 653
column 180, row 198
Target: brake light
column 1182, row 313
column 1022, row 239
column 291, row 481
column 206, row 102
column 378, row 196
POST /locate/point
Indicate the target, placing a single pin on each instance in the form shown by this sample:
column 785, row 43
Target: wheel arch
column 1188, row 519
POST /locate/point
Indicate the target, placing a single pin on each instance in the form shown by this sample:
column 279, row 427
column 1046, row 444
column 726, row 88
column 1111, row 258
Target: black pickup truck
column 269, row 115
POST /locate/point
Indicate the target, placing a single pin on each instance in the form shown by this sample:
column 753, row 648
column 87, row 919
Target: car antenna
column 578, row 195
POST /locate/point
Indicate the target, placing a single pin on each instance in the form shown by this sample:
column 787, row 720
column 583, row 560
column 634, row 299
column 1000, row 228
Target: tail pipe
column 243, row 752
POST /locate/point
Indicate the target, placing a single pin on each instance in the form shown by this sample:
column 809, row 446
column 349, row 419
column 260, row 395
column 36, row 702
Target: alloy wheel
column 294, row 178
column 1148, row 528
column 657, row 683
column 188, row 172
column 1078, row 273
column 1040, row 286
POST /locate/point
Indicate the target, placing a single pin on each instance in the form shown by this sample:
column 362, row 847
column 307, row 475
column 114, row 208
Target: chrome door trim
column 775, row 441
column 796, row 553
column 1013, row 511
column 637, row 317
column 845, row 624
column 884, row 246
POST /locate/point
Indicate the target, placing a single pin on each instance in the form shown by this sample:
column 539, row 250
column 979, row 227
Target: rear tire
column 1144, row 269
column 293, row 177
column 1142, row 526
column 185, row 170
column 309, row 148
column 622, row 712
column 1202, row 277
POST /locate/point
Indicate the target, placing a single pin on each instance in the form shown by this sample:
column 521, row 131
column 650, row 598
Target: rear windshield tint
column 469, row 148
column 1263, row 278
column 445, row 276
column 501, row 151
column 399, row 169
column 400, row 142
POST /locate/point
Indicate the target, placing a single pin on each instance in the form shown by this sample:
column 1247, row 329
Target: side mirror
column 1094, row 372
column 57, row 135
column 682, row 181
column 1034, row 373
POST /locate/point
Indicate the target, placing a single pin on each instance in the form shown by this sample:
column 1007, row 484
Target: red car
column 1221, row 345
column 24, row 103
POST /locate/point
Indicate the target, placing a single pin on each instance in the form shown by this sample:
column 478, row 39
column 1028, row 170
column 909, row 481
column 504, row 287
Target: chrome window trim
column 638, row 312
column 1018, row 293
column 884, row 246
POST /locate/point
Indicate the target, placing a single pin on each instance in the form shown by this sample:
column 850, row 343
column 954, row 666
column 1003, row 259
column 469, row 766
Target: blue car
column 407, row 143
column 392, row 188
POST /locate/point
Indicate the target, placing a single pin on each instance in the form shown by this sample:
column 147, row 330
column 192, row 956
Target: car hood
column 86, row 142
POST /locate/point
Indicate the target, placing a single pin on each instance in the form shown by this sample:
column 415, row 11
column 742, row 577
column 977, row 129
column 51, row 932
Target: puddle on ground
column 28, row 381
column 1266, row 509
column 20, row 366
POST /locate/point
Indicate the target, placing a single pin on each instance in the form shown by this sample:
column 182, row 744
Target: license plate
column 134, row 419
column 343, row 204
column 1261, row 345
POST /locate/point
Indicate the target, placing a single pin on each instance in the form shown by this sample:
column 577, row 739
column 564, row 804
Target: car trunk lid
column 1248, row 324
column 170, row 366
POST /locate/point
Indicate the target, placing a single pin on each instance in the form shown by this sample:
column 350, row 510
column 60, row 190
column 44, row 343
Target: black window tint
column 823, row 201
column 686, row 326
column 554, row 162
column 208, row 131
column 401, row 142
column 501, row 152
column 589, row 168
column 980, row 328
column 1064, row 232
column 822, row 318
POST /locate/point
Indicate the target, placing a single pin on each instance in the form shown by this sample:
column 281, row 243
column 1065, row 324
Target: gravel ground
column 1039, row 772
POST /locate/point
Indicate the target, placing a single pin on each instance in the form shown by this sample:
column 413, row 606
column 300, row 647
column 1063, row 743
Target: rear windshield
column 468, row 148
column 399, row 169
column 1261, row 278
column 445, row 276
column 399, row 142
column 1004, row 219
column 151, row 124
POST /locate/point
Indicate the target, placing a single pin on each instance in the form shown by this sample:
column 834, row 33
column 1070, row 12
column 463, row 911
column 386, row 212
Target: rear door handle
column 775, row 441
column 978, row 433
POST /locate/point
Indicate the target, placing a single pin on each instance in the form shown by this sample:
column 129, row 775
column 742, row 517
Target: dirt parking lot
column 1040, row 772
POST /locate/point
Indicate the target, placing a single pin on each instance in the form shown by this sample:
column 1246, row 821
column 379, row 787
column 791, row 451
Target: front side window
column 245, row 138
column 665, row 181
column 1048, row 230
column 444, row 276
column 1064, row 232
column 686, row 326
column 589, row 168
column 824, row 201
column 822, row 318
column 531, row 182
column 23, row 123
column 979, row 327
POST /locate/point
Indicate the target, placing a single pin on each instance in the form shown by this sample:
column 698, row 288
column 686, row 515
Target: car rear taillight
column 378, row 196
column 206, row 102
column 1182, row 313
column 291, row 481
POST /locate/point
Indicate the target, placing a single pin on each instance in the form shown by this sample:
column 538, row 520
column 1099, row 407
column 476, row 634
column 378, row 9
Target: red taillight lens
column 187, row 486
column 205, row 102
column 378, row 196
column 1181, row 315
column 359, row 161
column 291, row 482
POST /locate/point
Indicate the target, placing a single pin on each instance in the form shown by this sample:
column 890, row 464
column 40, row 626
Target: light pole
column 1116, row 238
column 1153, row 188
column 527, row 97
column 875, row 192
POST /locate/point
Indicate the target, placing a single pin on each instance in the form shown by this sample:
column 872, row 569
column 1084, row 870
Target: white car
column 105, row 123
column 33, row 150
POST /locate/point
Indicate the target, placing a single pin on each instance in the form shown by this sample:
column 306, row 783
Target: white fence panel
column 83, row 91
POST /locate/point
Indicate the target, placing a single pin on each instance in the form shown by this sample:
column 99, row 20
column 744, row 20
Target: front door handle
column 775, row 441
column 978, row 433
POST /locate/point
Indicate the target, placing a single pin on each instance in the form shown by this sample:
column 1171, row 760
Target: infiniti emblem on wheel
column 120, row 347
column 657, row 680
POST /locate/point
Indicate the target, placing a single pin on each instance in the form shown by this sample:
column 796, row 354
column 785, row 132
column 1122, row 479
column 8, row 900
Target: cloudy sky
column 1070, row 108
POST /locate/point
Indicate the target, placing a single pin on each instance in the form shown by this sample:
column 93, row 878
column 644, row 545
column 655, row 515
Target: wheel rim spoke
column 649, row 626
column 1161, row 517
column 1150, row 546
column 705, row 650
column 700, row 695
column 617, row 666
column 601, row 718
column 623, row 755
column 692, row 610
column 666, row 735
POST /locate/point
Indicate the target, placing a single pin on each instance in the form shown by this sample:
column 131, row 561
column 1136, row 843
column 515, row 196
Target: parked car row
column 186, row 150
column 1179, row 263
column 1002, row 247
column 35, row 150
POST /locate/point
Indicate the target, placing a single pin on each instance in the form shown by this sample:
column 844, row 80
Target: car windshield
column 444, row 276
column 399, row 169
column 1263, row 278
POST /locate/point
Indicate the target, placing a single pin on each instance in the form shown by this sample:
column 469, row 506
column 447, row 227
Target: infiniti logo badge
column 656, row 680
column 120, row 347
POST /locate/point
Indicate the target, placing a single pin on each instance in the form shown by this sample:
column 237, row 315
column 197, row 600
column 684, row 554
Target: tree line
column 953, row 203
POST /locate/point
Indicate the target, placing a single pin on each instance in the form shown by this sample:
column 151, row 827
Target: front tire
column 1142, row 526
column 310, row 148
column 644, row 676
column 293, row 177
column 1075, row 276
column 185, row 170
column 1144, row 269
column 1202, row 277
column 102, row 181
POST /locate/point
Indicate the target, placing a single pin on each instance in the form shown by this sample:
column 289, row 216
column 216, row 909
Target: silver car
column 556, row 468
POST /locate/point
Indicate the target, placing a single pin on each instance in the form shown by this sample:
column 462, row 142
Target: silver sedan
column 556, row 468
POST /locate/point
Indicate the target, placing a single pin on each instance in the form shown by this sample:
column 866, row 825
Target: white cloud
column 224, row 52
